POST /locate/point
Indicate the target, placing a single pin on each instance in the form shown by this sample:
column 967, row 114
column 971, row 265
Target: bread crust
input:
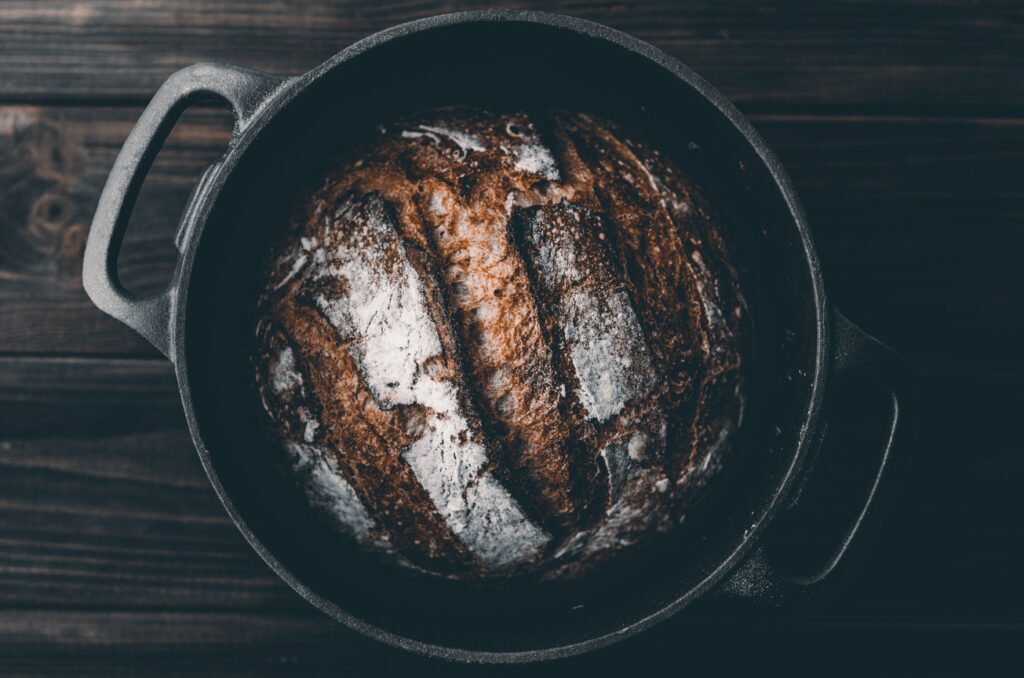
column 576, row 354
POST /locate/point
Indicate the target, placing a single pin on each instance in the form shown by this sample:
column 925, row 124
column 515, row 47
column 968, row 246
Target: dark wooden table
column 902, row 124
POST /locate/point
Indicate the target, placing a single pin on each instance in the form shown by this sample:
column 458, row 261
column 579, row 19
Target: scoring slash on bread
column 491, row 344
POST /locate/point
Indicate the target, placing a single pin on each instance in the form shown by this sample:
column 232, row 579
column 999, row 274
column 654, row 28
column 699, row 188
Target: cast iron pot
column 286, row 132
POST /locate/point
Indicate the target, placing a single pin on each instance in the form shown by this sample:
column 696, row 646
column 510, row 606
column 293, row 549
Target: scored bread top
column 492, row 343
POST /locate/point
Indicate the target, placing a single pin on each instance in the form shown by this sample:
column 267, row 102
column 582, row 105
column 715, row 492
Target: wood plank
column 920, row 226
column 103, row 504
column 837, row 54
column 53, row 165
column 194, row 644
column 217, row 644
column 103, row 500
column 916, row 219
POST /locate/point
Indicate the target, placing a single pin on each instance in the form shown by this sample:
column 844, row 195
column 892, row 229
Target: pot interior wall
column 506, row 66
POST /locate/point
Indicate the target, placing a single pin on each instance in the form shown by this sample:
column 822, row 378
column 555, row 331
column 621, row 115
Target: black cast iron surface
column 114, row 552
column 289, row 127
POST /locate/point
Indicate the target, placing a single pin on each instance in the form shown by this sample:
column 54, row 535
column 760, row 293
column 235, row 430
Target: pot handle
column 245, row 90
column 855, row 352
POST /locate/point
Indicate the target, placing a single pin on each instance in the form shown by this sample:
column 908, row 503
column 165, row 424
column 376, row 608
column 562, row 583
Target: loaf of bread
column 491, row 344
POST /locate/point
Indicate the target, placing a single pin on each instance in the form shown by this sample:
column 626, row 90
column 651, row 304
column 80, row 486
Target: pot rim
column 289, row 91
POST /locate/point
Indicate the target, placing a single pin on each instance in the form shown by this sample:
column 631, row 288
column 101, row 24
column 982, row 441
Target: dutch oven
column 286, row 131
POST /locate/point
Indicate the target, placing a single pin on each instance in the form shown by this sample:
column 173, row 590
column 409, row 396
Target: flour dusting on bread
column 490, row 346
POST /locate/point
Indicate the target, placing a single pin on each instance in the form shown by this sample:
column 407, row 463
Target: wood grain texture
column 855, row 54
column 904, row 211
column 41, row 642
column 53, row 164
column 902, row 124
column 107, row 506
